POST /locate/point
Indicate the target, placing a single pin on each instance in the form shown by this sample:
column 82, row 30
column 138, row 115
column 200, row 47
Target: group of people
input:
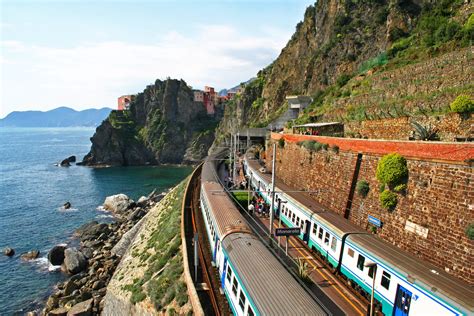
column 259, row 207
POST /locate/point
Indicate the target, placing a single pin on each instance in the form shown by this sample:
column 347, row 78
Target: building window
column 229, row 273
column 371, row 272
column 242, row 300
column 360, row 262
column 315, row 229
column 320, row 235
column 350, row 252
column 234, row 286
column 333, row 243
column 326, row 238
column 250, row 312
column 385, row 282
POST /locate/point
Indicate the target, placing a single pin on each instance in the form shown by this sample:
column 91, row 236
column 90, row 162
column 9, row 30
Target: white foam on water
column 69, row 210
column 104, row 216
column 44, row 265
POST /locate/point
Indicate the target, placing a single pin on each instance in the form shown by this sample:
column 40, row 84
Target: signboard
column 375, row 221
column 288, row 231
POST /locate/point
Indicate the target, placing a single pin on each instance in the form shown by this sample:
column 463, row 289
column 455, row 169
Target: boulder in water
column 10, row 252
column 67, row 162
column 56, row 255
column 118, row 203
column 67, row 205
column 30, row 255
column 74, row 261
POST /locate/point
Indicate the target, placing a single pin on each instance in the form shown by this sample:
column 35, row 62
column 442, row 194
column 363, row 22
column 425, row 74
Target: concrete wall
column 429, row 220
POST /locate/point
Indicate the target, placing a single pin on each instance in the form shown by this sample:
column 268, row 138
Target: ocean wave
column 104, row 216
column 101, row 208
column 63, row 210
column 44, row 266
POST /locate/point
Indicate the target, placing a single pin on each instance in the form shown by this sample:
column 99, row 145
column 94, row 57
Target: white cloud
column 95, row 74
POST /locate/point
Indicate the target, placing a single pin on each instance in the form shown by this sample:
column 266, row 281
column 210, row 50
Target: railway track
column 207, row 278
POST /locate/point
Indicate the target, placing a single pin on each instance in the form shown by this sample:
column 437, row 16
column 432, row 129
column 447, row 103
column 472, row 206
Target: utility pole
column 231, row 166
column 272, row 191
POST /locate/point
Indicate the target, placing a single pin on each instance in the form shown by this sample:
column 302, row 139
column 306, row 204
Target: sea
column 32, row 192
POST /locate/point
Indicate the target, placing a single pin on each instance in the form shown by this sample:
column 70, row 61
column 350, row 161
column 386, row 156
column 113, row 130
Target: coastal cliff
column 163, row 125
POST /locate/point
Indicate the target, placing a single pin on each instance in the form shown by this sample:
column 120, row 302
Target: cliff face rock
column 162, row 123
column 341, row 39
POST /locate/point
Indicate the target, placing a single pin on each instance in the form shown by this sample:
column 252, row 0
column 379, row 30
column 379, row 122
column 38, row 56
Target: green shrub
column 462, row 104
column 335, row 149
column 343, row 79
column 380, row 60
column 317, row 146
column 388, row 199
column 309, row 144
column 281, row 143
column 470, row 231
column 401, row 188
column 381, row 187
column 325, row 146
column 362, row 188
column 392, row 169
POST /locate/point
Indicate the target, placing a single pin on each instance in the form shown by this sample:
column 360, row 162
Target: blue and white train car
column 253, row 280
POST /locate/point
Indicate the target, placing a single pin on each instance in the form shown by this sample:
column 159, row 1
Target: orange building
column 123, row 102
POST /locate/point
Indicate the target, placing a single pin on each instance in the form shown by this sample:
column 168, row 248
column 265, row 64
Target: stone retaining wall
column 429, row 220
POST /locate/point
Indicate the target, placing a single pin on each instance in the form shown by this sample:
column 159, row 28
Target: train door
column 307, row 228
column 402, row 302
column 216, row 243
column 224, row 272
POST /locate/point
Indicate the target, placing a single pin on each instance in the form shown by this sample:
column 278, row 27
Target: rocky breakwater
column 93, row 262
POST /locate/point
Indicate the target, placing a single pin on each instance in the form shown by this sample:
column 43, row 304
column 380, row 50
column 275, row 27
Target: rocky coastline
column 92, row 264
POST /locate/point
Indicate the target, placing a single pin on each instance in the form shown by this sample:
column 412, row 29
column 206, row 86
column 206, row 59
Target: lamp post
column 372, row 265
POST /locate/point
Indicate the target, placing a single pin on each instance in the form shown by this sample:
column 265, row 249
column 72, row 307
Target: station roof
column 318, row 124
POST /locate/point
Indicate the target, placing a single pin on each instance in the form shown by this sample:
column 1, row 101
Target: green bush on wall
column 281, row 142
column 362, row 188
column 392, row 170
column 462, row 104
column 470, row 231
column 388, row 199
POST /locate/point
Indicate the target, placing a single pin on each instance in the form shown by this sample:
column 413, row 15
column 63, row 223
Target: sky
column 85, row 54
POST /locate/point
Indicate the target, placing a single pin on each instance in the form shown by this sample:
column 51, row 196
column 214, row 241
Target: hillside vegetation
column 365, row 60
column 149, row 279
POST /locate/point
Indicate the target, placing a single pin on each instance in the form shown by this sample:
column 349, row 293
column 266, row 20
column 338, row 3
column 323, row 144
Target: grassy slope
column 152, row 272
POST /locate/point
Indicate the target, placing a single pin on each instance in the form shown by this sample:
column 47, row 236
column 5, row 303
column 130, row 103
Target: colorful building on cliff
column 211, row 98
column 123, row 102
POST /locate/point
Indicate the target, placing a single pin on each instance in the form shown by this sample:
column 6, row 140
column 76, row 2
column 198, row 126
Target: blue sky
column 85, row 54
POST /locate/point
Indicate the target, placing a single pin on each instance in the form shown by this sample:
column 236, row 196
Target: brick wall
column 439, row 198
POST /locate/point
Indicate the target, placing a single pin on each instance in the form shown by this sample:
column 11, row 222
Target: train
column 404, row 285
column 252, row 279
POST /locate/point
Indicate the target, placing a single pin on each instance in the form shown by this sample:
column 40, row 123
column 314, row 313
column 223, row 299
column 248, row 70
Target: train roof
column 337, row 223
column 227, row 217
column 417, row 270
column 273, row 289
column 209, row 168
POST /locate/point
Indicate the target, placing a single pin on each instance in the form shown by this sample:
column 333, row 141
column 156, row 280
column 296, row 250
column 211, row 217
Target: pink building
column 123, row 102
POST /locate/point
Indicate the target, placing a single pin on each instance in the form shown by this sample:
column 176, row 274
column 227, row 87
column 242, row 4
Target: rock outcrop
column 56, row 255
column 118, row 203
column 9, row 252
column 30, row 255
column 74, row 261
column 162, row 123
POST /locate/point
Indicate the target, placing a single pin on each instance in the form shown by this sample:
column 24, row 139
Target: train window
column 385, row 282
column 297, row 221
column 229, row 274
column 234, row 286
column 371, row 272
column 333, row 243
column 350, row 252
column 293, row 218
column 242, row 300
column 360, row 262
column 315, row 229
column 320, row 235
column 250, row 312
column 302, row 224
column 289, row 214
column 326, row 238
